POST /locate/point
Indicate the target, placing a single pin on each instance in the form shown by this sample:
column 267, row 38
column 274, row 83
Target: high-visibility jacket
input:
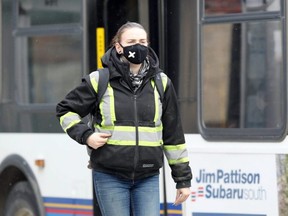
column 142, row 126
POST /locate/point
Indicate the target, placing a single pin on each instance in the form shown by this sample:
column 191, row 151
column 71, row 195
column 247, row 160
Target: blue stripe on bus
column 67, row 200
column 172, row 210
column 55, row 206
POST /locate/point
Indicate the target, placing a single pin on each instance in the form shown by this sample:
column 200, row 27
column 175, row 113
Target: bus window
column 219, row 7
column 48, row 12
column 244, row 86
column 54, row 63
column 243, row 73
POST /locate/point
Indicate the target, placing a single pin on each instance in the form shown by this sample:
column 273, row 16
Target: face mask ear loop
column 122, row 48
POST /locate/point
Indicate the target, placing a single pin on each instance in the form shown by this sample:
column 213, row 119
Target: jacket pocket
column 150, row 158
column 113, row 157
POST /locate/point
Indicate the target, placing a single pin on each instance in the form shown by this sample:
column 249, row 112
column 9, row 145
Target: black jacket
column 132, row 109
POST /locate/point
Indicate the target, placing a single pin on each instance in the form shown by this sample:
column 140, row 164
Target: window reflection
column 54, row 64
column 220, row 7
column 48, row 12
column 242, row 75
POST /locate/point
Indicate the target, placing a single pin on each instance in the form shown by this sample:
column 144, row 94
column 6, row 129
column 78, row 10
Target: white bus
column 227, row 61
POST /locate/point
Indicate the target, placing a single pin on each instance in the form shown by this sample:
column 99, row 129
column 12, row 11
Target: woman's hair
column 123, row 28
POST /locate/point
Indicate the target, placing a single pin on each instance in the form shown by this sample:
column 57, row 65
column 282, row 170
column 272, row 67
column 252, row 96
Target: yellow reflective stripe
column 94, row 85
column 112, row 104
column 149, row 129
column 176, row 153
column 124, row 128
column 110, row 127
column 174, row 147
column 62, row 117
column 156, row 117
column 94, row 78
column 157, row 100
column 121, row 142
column 72, row 124
column 68, row 120
column 107, row 107
column 126, row 135
column 164, row 78
column 133, row 143
column 101, row 108
column 177, row 161
column 150, row 144
column 130, row 128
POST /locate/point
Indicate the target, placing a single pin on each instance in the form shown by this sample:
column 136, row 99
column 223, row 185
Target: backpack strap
column 102, row 83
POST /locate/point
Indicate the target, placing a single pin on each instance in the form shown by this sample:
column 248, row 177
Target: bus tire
column 21, row 201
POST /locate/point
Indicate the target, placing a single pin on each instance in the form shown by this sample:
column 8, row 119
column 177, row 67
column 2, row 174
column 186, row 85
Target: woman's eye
column 135, row 42
column 130, row 42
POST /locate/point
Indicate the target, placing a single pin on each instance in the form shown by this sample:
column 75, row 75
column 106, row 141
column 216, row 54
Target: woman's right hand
column 97, row 140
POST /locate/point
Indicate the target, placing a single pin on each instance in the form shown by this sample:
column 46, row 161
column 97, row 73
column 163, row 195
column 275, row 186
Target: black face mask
column 136, row 53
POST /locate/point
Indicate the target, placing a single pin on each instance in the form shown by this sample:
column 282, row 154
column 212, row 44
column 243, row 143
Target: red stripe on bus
column 67, row 211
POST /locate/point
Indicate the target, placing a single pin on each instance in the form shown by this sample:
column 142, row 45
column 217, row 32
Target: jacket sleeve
column 77, row 104
column 174, row 141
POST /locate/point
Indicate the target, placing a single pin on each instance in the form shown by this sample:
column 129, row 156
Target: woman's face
column 130, row 37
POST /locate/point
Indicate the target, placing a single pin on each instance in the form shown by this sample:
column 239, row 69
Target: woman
column 132, row 128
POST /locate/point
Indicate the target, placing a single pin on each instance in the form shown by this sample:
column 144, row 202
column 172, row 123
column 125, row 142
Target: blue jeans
column 118, row 196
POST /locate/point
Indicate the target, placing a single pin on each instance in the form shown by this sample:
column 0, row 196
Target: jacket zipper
column 136, row 157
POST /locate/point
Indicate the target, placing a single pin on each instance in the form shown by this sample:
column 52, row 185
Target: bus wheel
column 21, row 201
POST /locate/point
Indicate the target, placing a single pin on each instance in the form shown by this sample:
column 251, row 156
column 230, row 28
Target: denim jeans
column 123, row 197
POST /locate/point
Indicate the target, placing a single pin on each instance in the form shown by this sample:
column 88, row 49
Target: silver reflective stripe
column 106, row 104
column 176, row 153
column 126, row 135
column 157, row 98
column 107, row 107
column 94, row 79
column 158, row 105
column 69, row 120
column 164, row 78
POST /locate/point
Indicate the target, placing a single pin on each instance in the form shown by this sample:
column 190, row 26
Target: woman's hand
column 182, row 195
column 97, row 140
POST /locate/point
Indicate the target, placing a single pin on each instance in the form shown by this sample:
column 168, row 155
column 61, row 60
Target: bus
column 227, row 61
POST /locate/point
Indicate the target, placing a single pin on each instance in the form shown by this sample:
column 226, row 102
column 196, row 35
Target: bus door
column 104, row 19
